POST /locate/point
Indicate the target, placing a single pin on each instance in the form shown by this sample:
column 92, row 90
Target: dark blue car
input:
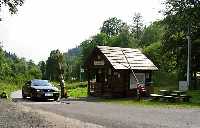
column 40, row 89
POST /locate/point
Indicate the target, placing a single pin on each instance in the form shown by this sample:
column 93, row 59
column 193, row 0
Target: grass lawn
column 77, row 90
column 149, row 103
column 195, row 96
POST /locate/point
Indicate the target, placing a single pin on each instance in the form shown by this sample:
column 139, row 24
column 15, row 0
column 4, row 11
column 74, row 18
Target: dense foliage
column 15, row 69
column 53, row 67
column 182, row 16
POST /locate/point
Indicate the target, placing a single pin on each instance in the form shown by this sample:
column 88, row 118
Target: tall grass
column 195, row 96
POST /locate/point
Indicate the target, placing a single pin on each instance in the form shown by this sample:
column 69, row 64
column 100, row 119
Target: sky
column 41, row 26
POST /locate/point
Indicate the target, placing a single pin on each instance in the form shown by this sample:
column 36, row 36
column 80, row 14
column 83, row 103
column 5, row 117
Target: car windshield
column 41, row 83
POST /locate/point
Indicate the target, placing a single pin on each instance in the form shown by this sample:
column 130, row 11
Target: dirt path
column 119, row 116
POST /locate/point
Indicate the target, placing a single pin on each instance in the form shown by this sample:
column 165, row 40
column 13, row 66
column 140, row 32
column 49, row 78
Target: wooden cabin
column 109, row 74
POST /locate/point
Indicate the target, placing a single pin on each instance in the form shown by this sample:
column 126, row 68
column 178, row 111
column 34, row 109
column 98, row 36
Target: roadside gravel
column 120, row 116
column 13, row 116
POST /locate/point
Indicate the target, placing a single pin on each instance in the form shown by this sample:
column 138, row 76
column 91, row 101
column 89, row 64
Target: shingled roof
column 118, row 58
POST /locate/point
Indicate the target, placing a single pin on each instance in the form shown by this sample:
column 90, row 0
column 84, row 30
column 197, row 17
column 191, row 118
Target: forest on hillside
column 164, row 42
column 15, row 70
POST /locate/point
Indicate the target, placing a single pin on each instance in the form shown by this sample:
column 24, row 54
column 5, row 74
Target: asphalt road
column 118, row 116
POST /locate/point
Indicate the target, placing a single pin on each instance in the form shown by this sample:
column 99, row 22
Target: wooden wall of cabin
column 96, row 67
column 119, row 83
column 115, row 84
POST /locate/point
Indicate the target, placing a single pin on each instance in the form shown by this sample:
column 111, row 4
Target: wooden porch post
column 88, row 86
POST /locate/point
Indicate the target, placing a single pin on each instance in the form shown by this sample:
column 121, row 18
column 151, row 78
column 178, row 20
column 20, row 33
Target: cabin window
column 115, row 73
column 133, row 82
column 106, row 80
column 99, row 62
column 118, row 75
column 98, row 57
column 147, row 76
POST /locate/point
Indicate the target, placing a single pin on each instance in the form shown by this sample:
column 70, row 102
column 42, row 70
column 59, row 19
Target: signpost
column 183, row 85
column 99, row 63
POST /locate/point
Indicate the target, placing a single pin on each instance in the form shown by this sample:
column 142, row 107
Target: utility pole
column 189, row 58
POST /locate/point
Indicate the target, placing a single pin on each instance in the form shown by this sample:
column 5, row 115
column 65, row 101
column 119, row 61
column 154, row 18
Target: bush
column 3, row 95
column 8, row 87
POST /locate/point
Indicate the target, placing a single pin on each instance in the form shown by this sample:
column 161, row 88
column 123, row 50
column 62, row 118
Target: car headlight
column 38, row 90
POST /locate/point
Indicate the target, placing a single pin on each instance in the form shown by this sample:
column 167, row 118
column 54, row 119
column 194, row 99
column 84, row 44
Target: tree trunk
column 62, row 89
column 62, row 82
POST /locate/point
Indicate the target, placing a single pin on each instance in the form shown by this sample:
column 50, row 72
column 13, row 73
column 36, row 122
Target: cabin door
column 140, row 77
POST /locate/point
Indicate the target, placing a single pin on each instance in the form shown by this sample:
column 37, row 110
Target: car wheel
column 23, row 95
column 55, row 98
column 31, row 96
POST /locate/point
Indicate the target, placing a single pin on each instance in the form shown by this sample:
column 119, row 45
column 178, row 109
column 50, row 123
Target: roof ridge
column 98, row 46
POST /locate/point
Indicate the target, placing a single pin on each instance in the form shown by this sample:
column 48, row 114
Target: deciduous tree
column 113, row 26
column 12, row 5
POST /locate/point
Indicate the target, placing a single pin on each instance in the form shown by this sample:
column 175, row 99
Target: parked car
column 41, row 89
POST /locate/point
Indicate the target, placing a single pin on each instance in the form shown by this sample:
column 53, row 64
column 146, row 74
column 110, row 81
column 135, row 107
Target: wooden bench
column 180, row 96
column 168, row 98
column 156, row 97
column 172, row 97
column 185, row 98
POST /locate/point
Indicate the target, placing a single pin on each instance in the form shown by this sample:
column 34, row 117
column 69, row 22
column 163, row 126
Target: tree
column 86, row 48
column 100, row 39
column 112, row 26
column 54, row 65
column 151, row 34
column 12, row 5
column 55, row 68
column 180, row 15
column 42, row 66
column 137, row 25
column 124, row 39
column 153, row 52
